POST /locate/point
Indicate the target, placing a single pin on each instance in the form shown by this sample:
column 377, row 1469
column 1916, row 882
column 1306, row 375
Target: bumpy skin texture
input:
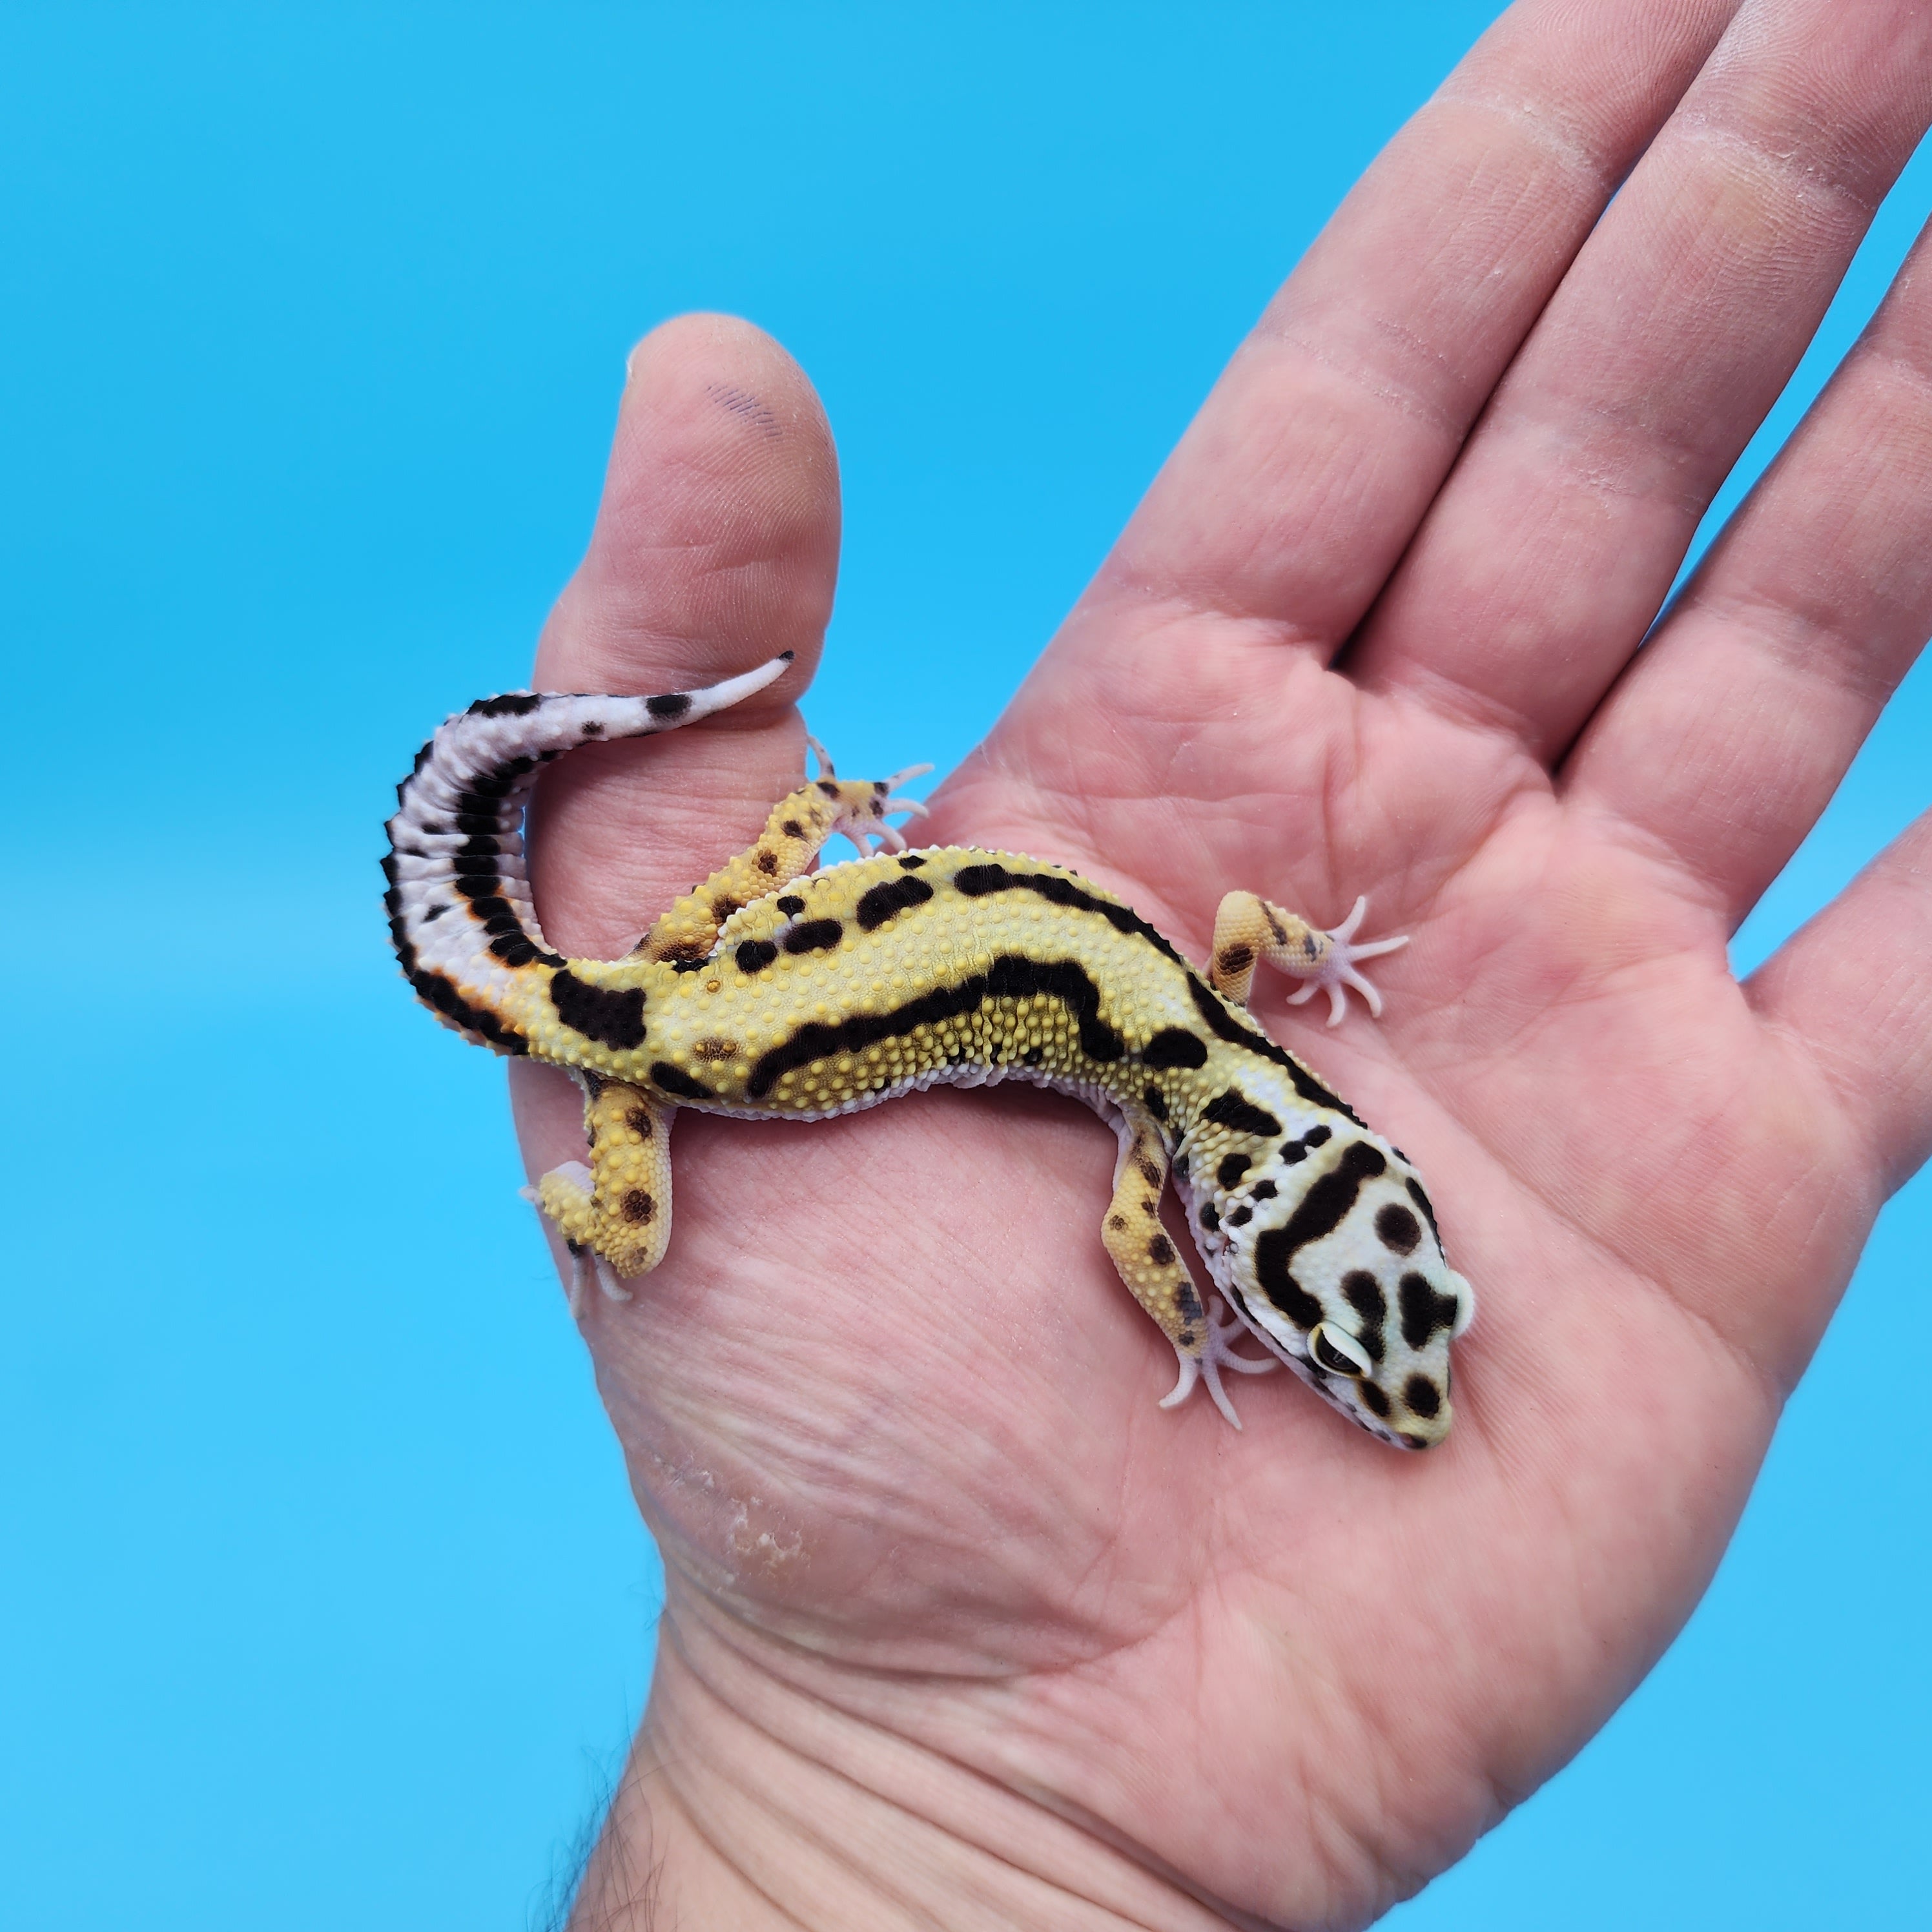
column 769, row 991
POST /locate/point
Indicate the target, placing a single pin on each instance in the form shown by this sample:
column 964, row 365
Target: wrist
column 758, row 1794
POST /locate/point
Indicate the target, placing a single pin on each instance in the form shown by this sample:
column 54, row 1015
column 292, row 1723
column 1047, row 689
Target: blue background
column 322, row 1598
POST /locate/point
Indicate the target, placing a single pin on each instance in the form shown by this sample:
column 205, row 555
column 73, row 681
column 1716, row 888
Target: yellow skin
column 769, row 990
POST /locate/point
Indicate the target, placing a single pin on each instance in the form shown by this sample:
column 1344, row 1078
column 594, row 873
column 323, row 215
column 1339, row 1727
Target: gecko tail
column 460, row 915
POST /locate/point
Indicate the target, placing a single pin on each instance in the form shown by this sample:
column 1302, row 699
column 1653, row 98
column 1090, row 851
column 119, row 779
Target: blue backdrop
column 322, row 1600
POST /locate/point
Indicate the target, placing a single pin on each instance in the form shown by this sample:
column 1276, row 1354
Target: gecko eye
column 1335, row 1350
column 1465, row 1303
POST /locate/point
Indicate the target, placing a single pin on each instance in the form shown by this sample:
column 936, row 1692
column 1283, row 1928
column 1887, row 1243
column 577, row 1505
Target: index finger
column 1296, row 488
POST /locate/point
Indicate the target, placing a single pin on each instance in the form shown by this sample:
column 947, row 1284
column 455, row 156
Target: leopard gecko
column 772, row 991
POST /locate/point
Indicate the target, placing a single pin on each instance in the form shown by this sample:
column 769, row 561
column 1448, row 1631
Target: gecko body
column 775, row 991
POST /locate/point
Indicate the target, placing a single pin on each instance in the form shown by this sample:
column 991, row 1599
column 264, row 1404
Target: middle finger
column 1545, row 559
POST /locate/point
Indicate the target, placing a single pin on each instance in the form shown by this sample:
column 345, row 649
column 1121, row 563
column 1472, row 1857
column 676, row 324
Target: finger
column 716, row 546
column 1539, row 570
column 1732, row 730
column 1308, row 468
column 1853, row 989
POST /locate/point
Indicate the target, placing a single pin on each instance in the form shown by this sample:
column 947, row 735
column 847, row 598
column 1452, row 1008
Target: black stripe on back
column 1010, row 975
column 977, row 881
column 1223, row 1025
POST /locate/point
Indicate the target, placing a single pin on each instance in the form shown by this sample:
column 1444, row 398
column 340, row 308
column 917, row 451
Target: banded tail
column 459, row 896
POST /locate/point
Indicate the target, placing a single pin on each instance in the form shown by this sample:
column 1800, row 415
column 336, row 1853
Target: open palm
column 961, row 1628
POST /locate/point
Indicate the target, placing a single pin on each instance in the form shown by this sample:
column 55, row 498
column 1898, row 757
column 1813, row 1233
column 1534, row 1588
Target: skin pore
column 961, row 1630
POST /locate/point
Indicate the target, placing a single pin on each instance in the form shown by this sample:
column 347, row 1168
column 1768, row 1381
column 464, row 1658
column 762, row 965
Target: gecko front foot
column 862, row 807
column 1207, row 1366
column 1337, row 972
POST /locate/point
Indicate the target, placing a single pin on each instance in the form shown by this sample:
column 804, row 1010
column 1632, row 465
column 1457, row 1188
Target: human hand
column 957, row 1623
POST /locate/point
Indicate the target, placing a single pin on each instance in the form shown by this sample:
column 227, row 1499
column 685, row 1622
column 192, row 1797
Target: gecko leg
column 1158, row 1277
column 1248, row 928
column 800, row 823
column 615, row 1214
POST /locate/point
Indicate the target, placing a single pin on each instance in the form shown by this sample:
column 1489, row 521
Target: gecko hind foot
column 863, row 807
column 563, row 1197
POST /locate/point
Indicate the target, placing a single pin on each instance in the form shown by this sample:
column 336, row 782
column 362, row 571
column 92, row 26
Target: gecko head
column 1346, row 1275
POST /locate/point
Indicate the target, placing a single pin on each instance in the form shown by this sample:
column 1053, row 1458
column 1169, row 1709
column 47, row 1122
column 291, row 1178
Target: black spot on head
column 1365, row 1295
column 614, row 1016
column 1373, row 1398
column 671, row 704
column 1262, row 1190
column 790, row 905
column 1293, row 1154
column 1160, row 1250
column 1155, row 1102
column 1320, row 1213
column 1324, row 1205
column 889, row 897
column 1209, row 1219
column 675, row 1080
column 1317, row 1137
column 1241, row 1217
column 636, row 1206
column 507, row 704
column 814, row 935
column 1423, row 1311
column 911, row 863
column 1233, row 1166
column 1234, row 1111
column 1398, row 1227
column 1424, row 1397
column 1175, row 1046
